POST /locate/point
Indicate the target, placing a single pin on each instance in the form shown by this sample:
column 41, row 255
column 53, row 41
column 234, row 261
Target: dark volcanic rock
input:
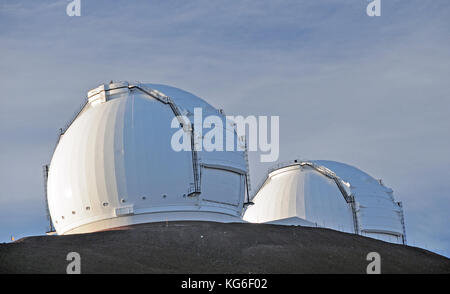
column 208, row 247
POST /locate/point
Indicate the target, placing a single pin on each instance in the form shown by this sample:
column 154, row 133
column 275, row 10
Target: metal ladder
column 402, row 220
column 247, row 165
column 247, row 174
column 51, row 228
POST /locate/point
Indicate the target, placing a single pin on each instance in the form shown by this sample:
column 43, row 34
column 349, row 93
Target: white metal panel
column 222, row 186
column 278, row 198
column 77, row 183
column 234, row 159
column 324, row 202
column 188, row 102
column 376, row 208
column 152, row 168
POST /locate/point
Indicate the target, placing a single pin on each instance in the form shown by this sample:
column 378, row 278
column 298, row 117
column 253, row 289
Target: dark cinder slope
column 208, row 247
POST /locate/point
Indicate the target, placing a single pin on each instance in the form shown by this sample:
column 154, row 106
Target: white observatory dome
column 114, row 165
column 328, row 194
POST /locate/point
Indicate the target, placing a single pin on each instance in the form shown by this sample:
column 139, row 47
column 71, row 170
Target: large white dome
column 114, row 165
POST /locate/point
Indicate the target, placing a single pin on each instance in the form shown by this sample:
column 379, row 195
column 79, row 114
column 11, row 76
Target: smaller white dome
column 328, row 194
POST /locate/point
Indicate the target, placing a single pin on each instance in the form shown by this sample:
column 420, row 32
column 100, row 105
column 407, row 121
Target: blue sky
column 371, row 92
